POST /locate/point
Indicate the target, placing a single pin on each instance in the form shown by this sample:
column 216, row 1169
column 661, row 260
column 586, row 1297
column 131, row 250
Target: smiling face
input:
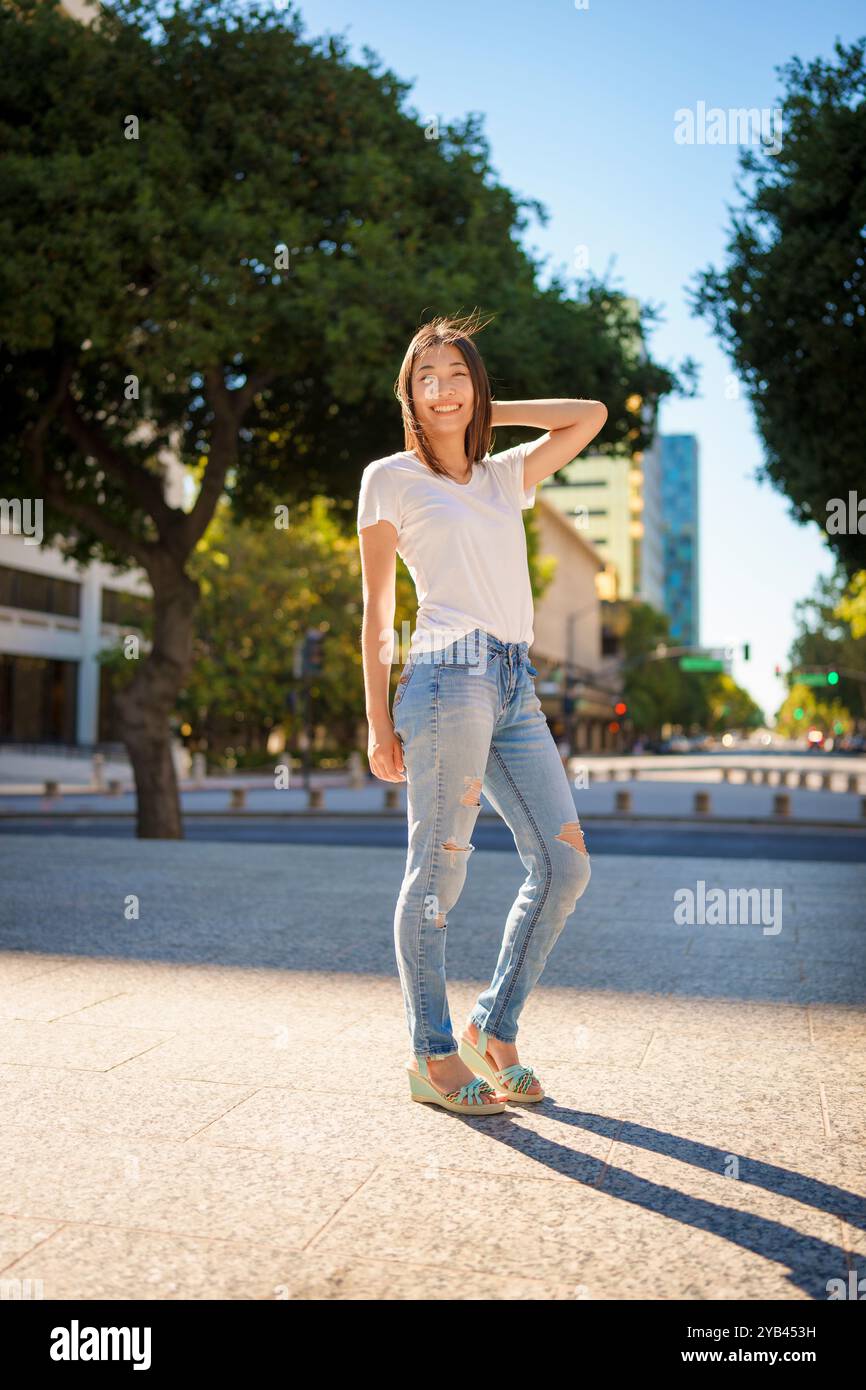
column 442, row 392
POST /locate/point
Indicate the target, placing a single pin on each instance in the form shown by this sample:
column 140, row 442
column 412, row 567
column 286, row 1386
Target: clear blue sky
column 579, row 110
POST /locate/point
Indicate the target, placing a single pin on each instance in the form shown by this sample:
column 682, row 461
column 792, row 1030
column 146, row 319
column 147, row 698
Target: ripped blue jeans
column 470, row 721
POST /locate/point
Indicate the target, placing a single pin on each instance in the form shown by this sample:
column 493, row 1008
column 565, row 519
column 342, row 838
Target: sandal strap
column 471, row 1092
column 517, row 1077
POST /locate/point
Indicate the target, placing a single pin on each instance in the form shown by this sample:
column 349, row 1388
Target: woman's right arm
column 379, row 573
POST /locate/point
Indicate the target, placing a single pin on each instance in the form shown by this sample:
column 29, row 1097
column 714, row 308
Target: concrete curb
column 588, row 818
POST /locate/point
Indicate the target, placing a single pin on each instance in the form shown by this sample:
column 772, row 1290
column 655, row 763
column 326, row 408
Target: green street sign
column 700, row 663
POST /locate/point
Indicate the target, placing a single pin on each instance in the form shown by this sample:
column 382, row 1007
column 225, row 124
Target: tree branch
column 34, row 437
column 143, row 487
column 229, row 408
column 89, row 516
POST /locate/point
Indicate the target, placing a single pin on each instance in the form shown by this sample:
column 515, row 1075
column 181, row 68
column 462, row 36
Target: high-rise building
column 679, row 495
column 615, row 501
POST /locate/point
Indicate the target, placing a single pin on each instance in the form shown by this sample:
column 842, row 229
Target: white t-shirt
column 463, row 544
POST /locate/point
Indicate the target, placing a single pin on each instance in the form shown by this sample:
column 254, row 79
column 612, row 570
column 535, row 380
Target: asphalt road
column 710, row 841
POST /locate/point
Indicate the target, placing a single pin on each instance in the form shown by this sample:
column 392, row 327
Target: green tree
column 657, row 692
column 804, row 709
column 831, row 633
column 216, row 238
column 789, row 305
column 262, row 587
column 729, row 706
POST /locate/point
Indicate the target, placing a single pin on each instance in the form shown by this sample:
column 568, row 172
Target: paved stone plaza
column 202, row 1052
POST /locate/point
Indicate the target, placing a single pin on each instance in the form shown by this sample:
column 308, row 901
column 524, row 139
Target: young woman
column 466, row 717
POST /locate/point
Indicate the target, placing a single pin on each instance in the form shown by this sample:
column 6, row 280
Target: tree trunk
column 146, row 704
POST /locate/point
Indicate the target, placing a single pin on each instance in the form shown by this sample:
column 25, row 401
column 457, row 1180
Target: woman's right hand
column 385, row 753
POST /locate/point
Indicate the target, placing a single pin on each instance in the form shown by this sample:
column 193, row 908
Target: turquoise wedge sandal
column 468, row 1100
column 513, row 1081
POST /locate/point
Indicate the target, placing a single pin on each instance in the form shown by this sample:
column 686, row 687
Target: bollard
column 727, row 774
column 622, row 801
column 316, row 799
column 392, row 798
column 114, row 787
column 52, row 788
column 702, row 802
column 199, row 767
column 356, row 771
column 781, row 804
column 98, row 771
column 826, row 781
column 238, row 798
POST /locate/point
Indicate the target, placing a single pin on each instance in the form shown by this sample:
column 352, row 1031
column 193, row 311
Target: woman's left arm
column 570, row 425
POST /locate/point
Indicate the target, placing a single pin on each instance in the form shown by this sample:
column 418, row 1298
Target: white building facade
column 55, row 619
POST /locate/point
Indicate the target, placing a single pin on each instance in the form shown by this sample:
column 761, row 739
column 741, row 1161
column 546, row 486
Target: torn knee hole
column 572, row 834
column 471, row 792
column 440, row 920
column 460, row 849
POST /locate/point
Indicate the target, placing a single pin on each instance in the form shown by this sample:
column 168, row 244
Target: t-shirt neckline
column 445, row 477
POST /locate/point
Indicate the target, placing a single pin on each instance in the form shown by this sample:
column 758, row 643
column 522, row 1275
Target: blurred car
column 851, row 743
column 675, row 744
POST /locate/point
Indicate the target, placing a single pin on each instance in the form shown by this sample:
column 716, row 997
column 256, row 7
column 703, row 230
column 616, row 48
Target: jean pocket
column 405, row 677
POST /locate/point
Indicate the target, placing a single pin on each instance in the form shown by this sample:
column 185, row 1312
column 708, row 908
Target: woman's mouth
column 444, row 409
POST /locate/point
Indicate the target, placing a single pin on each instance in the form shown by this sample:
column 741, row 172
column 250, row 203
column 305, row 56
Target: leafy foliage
column 789, row 305
column 657, row 692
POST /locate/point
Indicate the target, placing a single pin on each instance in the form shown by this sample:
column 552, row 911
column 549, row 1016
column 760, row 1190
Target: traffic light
column 778, row 670
column 747, row 651
column 832, row 677
column 798, row 713
column 313, row 652
column 620, row 708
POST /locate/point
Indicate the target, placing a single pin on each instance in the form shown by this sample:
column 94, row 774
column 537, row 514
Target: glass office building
column 680, row 496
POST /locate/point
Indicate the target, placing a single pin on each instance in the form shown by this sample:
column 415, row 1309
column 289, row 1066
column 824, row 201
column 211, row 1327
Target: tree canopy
column 788, row 305
column 216, row 238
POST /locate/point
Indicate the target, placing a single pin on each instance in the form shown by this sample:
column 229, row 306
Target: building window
column 39, row 593
column 37, row 699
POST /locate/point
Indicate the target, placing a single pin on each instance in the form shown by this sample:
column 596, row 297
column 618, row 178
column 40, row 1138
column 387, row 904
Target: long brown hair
column 460, row 332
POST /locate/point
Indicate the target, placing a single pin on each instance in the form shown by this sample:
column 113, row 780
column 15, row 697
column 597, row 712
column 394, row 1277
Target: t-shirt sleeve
column 379, row 497
column 511, row 462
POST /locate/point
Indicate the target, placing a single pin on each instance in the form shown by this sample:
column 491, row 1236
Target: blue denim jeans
column 470, row 721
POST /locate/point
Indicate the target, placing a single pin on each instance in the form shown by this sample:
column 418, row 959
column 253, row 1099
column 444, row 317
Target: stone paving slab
column 210, row 1101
